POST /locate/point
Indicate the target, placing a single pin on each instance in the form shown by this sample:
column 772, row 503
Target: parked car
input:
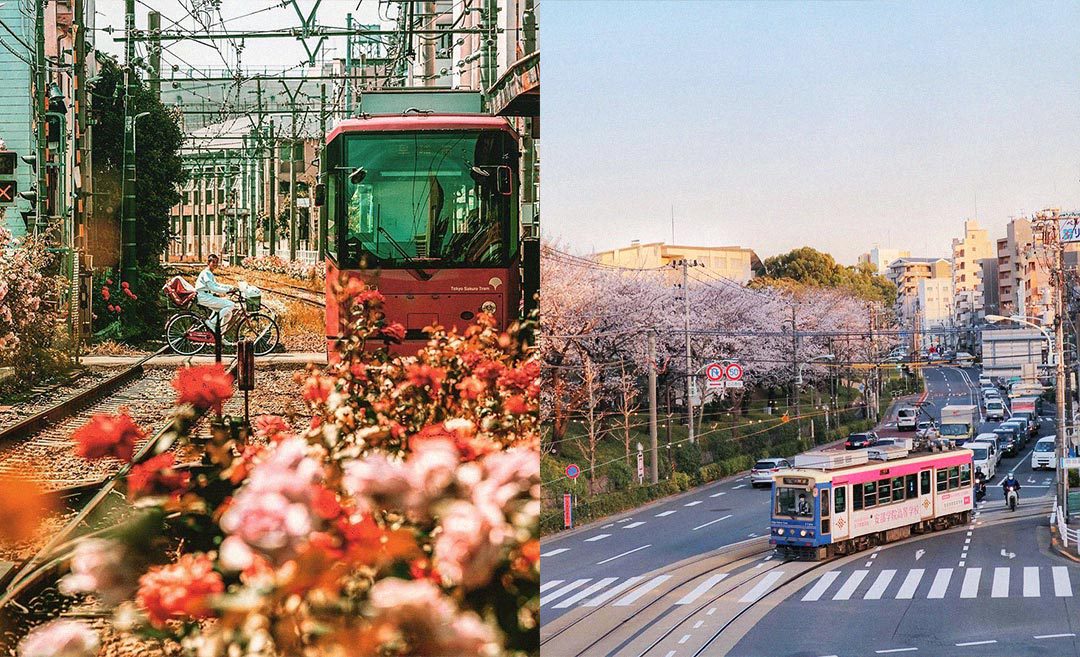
column 927, row 429
column 861, row 440
column 763, row 471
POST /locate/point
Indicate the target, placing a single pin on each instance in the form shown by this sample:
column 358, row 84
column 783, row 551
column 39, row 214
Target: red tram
column 424, row 207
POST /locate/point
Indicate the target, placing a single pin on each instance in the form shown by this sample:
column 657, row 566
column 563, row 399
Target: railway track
column 28, row 592
column 295, row 292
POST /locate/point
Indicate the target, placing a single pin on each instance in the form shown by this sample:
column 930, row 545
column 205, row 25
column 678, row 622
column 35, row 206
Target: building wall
column 935, row 301
column 16, row 121
column 882, row 258
column 906, row 273
column 730, row 262
column 967, row 273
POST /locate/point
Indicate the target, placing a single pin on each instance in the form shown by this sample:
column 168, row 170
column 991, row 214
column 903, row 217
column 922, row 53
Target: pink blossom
column 384, row 481
column 62, row 638
column 103, row 568
column 431, row 470
column 430, row 619
column 470, row 544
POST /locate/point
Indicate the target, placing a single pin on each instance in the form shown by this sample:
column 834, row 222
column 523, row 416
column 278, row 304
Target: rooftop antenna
column 672, row 223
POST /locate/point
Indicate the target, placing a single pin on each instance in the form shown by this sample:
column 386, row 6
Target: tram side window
column 840, row 499
column 954, row 477
column 825, row 502
column 942, row 480
column 912, row 490
column 869, row 494
column 856, row 497
column 330, row 211
column 897, row 489
column 924, row 482
column 884, row 489
column 965, row 475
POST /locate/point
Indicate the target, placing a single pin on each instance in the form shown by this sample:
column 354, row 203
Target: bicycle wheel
column 176, row 333
column 262, row 330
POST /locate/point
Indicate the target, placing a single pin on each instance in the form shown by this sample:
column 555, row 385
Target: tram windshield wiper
column 420, row 272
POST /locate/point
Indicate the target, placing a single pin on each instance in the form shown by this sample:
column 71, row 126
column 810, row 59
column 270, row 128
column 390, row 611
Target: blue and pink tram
column 821, row 512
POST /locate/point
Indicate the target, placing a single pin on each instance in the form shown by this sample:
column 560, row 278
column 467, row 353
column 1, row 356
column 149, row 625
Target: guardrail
column 1068, row 536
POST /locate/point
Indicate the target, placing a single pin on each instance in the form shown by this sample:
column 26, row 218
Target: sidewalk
column 270, row 360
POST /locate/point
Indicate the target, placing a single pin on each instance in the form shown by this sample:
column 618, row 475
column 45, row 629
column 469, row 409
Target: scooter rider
column 1010, row 482
column 980, row 484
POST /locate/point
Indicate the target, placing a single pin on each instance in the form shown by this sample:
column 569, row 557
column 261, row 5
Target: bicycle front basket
column 253, row 299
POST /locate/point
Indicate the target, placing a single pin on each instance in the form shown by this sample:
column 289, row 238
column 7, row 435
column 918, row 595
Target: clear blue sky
column 836, row 125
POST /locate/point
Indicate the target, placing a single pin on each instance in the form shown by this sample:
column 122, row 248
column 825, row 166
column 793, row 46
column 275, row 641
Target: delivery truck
column 958, row 422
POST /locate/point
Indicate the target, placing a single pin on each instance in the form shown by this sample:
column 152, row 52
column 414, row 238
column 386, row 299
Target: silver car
column 763, row 471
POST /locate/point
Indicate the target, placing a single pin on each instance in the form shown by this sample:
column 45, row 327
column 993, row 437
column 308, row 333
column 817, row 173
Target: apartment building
column 968, row 256
column 730, row 262
column 906, row 273
column 881, row 258
column 935, row 302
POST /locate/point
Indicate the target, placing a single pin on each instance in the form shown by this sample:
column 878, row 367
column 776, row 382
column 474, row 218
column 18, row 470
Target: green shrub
column 619, row 475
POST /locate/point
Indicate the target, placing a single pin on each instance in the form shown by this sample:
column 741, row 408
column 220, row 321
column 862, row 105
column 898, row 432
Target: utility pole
column 348, row 68
column 689, row 362
column 127, row 201
column 41, row 105
column 798, row 373
column 429, row 44
column 323, row 237
column 273, row 190
column 654, row 471
column 153, row 24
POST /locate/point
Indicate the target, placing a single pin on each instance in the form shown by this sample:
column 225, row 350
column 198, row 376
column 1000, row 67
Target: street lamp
column 134, row 123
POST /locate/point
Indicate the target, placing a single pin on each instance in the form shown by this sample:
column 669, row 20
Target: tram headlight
column 802, row 532
column 488, row 307
column 780, row 531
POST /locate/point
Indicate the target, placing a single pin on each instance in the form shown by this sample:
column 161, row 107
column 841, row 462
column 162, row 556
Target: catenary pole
column 654, row 470
column 689, row 363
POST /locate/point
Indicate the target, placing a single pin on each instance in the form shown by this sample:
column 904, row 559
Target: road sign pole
column 568, row 511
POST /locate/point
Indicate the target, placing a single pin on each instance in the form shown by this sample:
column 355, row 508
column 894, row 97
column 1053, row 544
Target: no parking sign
column 573, row 471
column 714, row 375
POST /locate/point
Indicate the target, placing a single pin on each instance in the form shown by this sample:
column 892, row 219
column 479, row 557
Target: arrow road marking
column 1011, row 555
column 918, row 554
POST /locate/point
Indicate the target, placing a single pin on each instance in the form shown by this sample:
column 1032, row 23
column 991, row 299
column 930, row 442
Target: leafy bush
column 129, row 310
column 278, row 265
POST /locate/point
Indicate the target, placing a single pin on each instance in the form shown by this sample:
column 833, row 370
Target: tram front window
column 793, row 502
column 439, row 199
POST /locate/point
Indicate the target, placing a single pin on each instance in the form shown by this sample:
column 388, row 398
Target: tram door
column 839, row 521
column 926, row 494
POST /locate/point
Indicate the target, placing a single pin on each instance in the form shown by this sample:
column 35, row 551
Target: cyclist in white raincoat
column 208, row 292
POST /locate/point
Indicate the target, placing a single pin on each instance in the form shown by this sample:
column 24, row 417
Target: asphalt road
column 630, row 560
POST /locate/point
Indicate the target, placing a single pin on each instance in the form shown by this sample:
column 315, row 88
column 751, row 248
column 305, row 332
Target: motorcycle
column 980, row 489
column 1012, row 497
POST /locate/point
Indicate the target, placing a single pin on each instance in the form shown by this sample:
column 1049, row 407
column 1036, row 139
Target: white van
column 995, row 409
column 1043, row 456
column 906, row 419
column 982, row 459
column 985, row 380
column 989, row 439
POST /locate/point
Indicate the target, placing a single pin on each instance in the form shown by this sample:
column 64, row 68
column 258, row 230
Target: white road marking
column 671, row 653
column 600, row 563
column 868, row 564
column 547, row 585
column 1000, row 588
column 612, row 592
column 694, row 503
column 1054, row 636
column 700, row 589
column 684, row 639
column 1062, row 585
column 564, row 590
column 941, row 583
column 886, row 652
column 911, row 582
column 850, row 585
column 762, row 587
column 598, row 537
column 624, row 520
column 976, row 643
column 961, row 564
column 970, row 588
column 666, row 513
column 710, row 523
column 552, row 553
column 634, row 524
column 698, row 624
column 641, row 590
column 739, row 486
column 718, row 494
column 877, row 589
column 586, row 592
column 1031, row 582
column 819, row 588
column 610, row 524
column 711, row 611
column 967, row 541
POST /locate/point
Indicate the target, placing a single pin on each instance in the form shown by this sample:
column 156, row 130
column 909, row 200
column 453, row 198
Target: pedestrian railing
column 1068, row 536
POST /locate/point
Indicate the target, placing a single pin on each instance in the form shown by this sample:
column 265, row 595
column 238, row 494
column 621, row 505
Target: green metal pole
column 127, row 188
column 273, row 191
column 322, row 168
column 41, row 104
column 292, row 184
column 348, row 67
column 201, row 178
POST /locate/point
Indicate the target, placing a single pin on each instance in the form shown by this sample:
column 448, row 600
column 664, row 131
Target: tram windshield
column 954, row 429
column 793, row 502
column 439, row 199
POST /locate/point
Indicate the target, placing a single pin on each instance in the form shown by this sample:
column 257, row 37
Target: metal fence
column 1068, row 536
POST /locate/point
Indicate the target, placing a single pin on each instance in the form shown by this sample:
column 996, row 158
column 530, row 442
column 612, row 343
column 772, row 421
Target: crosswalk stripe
column 1031, row 582
column 762, row 587
column 564, row 590
column 820, row 586
column 970, row 588
column 612, row 592
column 941, row 583
column 850, row 585
column 547, row 585
column 641, row 590
column 1000, row 588
column 1062, row 585
column 700, row 589
column 877, row 589
column 586, row 592
column 911, row 582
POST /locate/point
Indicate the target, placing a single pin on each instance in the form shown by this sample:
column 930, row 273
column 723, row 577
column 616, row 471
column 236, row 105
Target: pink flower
column 470, row 544
column 62, row 638
column 103, row 568
column 272, row 427
column 179, row 591
column 383, row 481
column 429, row 619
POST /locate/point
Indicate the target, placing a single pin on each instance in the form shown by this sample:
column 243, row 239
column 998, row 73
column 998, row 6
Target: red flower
column 124, row 285
column 108, row 435
column 129, row 293
column 317, row 389
column 425, row 375
column 204, row 386
column 525, row 378
column 325, row 503
column 393, row 332
column 516, row 405
column 156, row 476
column 423, row 569
column 179, row 591
column 272, row 427
column 471, row 387
column 489, row 369
column 108, row 281
column 105, row 293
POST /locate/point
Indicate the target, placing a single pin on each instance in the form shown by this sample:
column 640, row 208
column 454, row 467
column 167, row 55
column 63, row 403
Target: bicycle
column 188, row 332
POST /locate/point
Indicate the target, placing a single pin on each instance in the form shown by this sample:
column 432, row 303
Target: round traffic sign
column 734, row 371
column 715, row 372
column 572, row 471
